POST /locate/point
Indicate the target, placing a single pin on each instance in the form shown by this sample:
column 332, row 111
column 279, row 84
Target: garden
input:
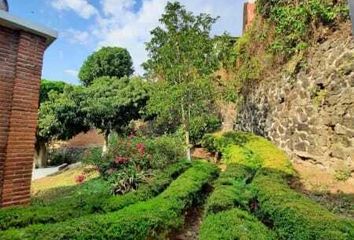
column 145, row 181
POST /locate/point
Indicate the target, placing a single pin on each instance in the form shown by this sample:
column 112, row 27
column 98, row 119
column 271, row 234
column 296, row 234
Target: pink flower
column 141, row 148
column 121, row 160
column 80, row 178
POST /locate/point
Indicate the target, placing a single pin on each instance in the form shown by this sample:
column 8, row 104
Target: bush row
column 294, row 216
column 151, row 219
column 88, row 202
column 224, row 219
column 233, row 224
column 290, row 214
column 249, row 150
column 230, row 190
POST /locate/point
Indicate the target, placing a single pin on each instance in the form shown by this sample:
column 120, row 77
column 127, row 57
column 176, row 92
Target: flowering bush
column 131, row 159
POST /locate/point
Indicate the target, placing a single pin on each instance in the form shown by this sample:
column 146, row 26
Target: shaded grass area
column 152, row 219
column 89, row 198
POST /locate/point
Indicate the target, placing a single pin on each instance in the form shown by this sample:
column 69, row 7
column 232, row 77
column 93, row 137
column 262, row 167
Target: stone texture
column 311, row 116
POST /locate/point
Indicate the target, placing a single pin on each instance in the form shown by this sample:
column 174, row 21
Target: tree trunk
column 105, row 144
column 186, row 132
column 41, row 154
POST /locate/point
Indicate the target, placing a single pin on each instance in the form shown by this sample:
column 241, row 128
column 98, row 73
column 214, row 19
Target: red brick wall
column 21, row 57
column 249, row 13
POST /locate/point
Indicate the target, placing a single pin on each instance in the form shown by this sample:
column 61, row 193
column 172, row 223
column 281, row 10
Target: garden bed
column 152, row 218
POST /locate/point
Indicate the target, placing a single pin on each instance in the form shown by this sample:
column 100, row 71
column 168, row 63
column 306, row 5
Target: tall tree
column 181, row 57
column 111, row 103
column 107, row 62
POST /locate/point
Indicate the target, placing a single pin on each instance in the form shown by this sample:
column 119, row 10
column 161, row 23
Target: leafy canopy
column 47, row 86
column 60, row 117
column 107, row 62
column 111, row 103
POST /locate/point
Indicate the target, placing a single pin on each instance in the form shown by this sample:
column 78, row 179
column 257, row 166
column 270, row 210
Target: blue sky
column 86, row 25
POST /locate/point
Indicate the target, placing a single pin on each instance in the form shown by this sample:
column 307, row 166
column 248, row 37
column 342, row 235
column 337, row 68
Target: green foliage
column 142, row 220
column 107, row 62
column 217, row 142
column 343, row 174
column 234, row 224
column 131, row 159
column 94, row 197
column 59, row 156
column 150, row 189
column 111, row 103
column 181, row 58
column 294, row 216
column 249, row 150
column 224, row 50
column 201, row 125
column 60, row 117
column 294, row 20
column 230, row 190
column 48, row 86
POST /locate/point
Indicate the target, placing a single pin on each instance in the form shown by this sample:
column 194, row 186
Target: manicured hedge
column 144, row 220
column 290, row 214
column 230, row 190
column 234, row 224
column 88, row 203
column 295, row 216
column 249, row 150
column 223, row 217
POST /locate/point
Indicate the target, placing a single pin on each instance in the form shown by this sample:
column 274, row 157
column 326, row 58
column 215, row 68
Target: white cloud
column 121, row 26
column 76, row 36
column 71, row 72
column 81, row 7
column 120, row 23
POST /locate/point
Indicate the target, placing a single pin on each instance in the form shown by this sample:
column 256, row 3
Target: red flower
column 141, row 148
column 121, row 160
column 80, row 179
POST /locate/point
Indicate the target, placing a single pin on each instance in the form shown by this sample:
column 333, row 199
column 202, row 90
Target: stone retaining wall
column 309, row 115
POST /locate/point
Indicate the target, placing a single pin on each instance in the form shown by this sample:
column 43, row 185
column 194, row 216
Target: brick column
column 22, row 45
column 249, row 13
column 21, row 57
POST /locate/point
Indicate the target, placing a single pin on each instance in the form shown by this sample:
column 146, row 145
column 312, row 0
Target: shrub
column 94, row 198
column 165, row 150
column 130, row 160
column 59, row 156
column 230, row 190
column 292, row 215
column 217, row 142
column 294, row 20
column 201, row 125
column 248, row 149
column 143, row 220
column 234, row 224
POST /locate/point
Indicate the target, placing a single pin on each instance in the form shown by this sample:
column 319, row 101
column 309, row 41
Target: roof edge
column 16, row 23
